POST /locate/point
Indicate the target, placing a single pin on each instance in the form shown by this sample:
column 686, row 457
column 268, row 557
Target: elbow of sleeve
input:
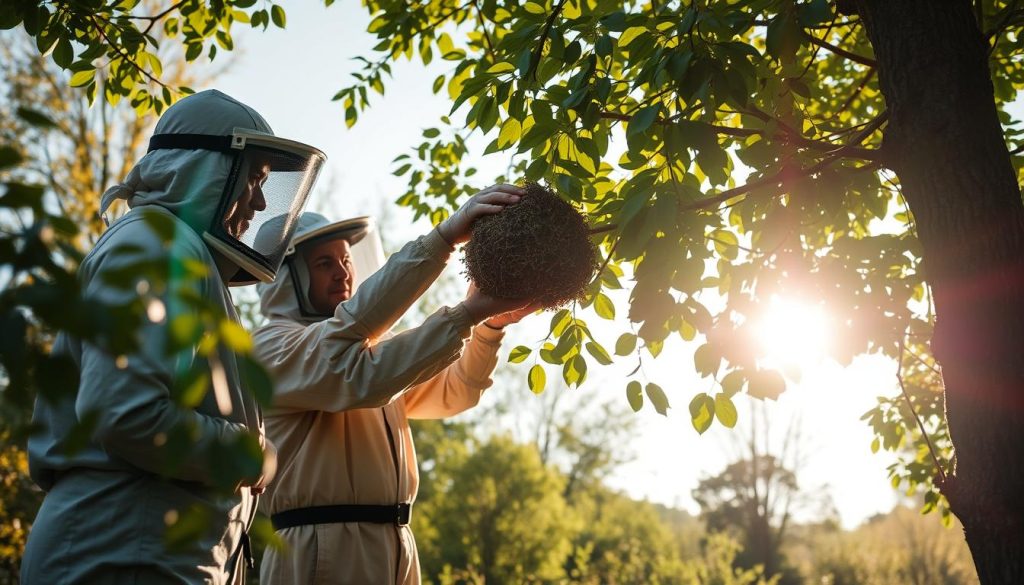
column 375, row 394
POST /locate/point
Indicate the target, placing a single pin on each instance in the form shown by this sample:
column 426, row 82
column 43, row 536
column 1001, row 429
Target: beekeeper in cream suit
column 345, row 388
column 213, row 175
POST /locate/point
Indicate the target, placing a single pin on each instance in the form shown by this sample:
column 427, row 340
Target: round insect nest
column 538, row 250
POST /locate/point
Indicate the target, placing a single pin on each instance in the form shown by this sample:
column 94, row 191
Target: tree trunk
column 945, row 143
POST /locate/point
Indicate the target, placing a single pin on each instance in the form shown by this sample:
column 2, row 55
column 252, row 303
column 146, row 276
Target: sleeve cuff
column 435, row 246
column 488, row 335
column 460, row 319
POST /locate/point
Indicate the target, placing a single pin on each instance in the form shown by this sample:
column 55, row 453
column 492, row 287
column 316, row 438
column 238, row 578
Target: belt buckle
column 403, row 514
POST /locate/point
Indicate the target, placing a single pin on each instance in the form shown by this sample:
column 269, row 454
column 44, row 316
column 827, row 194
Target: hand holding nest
column 456, row 228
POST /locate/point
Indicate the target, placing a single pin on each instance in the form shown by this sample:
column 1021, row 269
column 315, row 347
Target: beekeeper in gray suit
column 213, row 175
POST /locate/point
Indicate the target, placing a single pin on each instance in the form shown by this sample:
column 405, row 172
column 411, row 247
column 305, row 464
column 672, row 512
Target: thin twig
column 483, row 28
column 608, row 258
column 122, row 53
column 922, row 361
column 856, row 92
column 840, row 51
column 157, row 17
column 817, row 48
column 910, row 405
column 535, row 59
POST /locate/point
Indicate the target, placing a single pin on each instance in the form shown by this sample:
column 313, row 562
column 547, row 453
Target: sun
column 793, row 333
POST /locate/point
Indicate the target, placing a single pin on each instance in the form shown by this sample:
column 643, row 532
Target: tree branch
column 483, row 28
column 158, row 17
column 840, row 51
column 121, row 52
column 787, row 174
column 920, row 425
column 827, row 147
column 535, row 60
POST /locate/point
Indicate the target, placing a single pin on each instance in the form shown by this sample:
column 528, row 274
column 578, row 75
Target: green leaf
column 499, row 68
column 702, row 412
column 784, row 36
column 574, row 372
column 642, row 120
column 277, row 15
column 630, row 34
column 766, row 384
column 534, row 8
column 625, row 344
column 235, row 337
column 604, row 307
column 519, row 353
column 63, row 53
column 511, row 130
column 82, row 78
column 560, row 321
column 635, row 395
column 599, row 353
column 725, row 410
column 658, row 398
column 193, row 50
column 537, row 379
column 814, row 12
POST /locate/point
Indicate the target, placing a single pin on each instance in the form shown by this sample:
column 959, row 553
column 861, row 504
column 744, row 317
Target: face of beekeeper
column 242, row 210
column 330, row 273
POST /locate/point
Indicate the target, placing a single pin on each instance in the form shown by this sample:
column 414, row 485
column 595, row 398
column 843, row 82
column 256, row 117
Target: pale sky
column 290, row 76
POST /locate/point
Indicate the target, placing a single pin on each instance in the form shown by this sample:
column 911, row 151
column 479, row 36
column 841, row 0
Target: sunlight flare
column 793, row 333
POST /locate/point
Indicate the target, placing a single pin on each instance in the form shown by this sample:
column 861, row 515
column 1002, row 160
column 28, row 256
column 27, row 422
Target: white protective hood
column 288, row 296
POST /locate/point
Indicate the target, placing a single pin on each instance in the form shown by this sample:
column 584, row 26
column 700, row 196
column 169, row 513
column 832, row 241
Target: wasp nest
column 538, row 250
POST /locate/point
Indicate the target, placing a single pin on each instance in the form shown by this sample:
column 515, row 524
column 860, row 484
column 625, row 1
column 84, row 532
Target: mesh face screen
column 271, row 186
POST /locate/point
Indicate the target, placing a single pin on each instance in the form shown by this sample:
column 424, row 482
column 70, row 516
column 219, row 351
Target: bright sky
column 290, row 76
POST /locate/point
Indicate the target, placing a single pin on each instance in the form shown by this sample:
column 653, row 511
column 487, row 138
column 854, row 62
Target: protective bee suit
column 213, row 168
column 345, row 387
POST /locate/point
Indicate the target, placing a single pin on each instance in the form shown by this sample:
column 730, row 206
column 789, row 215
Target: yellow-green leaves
column 603, row 306
column 235, row 337
column 511, row 130
column 702, row 412
column 278, row 16
column 625, row 344
column 642, row 120
column 600, row 354
column 725, row 410
column 635, row 395
column 519, row 353
column 537, row 379
column 657, row 398
column 630, row 34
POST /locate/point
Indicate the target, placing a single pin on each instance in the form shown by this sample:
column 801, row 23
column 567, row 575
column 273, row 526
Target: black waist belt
column 398, row 514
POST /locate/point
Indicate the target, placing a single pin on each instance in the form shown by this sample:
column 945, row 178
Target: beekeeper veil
column 216, row 164
column 289, row 296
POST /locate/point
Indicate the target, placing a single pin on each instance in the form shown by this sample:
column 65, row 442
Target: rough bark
column 945, row 143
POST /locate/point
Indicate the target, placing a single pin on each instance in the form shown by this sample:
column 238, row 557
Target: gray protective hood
column 188, row 183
